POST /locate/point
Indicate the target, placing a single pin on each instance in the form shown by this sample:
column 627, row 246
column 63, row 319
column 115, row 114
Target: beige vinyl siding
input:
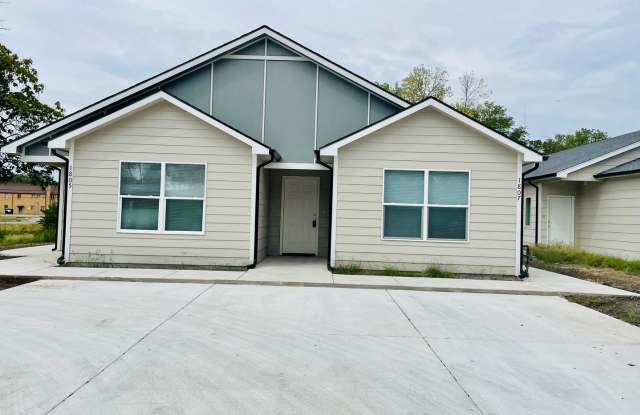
column 553, row 188
column 263, row 216
column 587, row 173
column 427, row 140
column 529, row 234
column 162, row 133
column 608, row 217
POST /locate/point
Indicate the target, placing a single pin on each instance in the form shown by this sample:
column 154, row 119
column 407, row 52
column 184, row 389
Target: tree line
column 473, row 99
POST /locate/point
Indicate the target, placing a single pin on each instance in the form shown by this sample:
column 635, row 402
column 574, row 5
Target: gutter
column 60, row 260
column 615, row 174
column 330, row 168
column 55, row 245
column 273, row 156
column 525, row 273
column 535, row 186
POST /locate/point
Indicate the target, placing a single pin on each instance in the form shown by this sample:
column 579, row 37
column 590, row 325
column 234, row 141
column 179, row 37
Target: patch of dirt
column 623, row 308
column 604, row 276
column 8, row 282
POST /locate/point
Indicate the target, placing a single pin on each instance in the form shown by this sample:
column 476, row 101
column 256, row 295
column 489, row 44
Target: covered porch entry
column 294, row 212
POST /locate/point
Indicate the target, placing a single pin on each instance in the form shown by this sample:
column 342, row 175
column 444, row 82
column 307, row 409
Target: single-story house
column 589, row 197
column 263, row 147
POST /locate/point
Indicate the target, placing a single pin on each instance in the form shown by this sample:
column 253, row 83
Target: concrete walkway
column 39, row 262
column 85, row 347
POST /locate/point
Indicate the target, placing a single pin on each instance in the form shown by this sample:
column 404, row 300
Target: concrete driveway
column 84, row 347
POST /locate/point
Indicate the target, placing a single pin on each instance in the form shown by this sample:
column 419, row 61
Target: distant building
column 26, row 199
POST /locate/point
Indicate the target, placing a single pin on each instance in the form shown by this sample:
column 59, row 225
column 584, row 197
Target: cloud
column 557, row 66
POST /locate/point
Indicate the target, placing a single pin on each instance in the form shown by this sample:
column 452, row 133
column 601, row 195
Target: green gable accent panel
column 37, row 149
column 274, row 49
column 256, row 48
column 237, row 94
column 194, row 88
column 290, row 113
column 342, row 108
column 381, row 109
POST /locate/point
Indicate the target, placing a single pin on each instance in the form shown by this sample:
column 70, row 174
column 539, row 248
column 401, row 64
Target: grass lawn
column 18, row 218
column 430, row 272
column 19, row 235
column 602, row 269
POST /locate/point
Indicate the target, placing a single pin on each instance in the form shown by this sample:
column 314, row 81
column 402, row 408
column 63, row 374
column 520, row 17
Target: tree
column 561, row 142
column 495, row 116
column 394, row 89
column 473, row 89
column 21, row 112
column 424, row 81
column 49, row 219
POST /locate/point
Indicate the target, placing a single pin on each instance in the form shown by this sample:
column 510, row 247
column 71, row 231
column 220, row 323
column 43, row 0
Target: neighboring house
column 589, row 198
column 264, row 147
column 26, row 199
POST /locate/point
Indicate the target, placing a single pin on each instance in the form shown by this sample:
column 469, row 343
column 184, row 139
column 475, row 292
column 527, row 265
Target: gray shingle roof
column 572, row 157
column 629, row 167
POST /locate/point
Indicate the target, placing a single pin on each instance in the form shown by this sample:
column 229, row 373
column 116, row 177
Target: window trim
column 162, row 200
column 425, row 207
column 527, row 210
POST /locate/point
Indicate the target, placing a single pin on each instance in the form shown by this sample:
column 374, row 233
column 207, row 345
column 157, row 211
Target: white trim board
column 69, row 203
column 519, row 197
column 63, row 141
column 199, row 61
column 334, row 203
column 294, row 166
column 564, row 173
column 253, row 219
column 529, row 155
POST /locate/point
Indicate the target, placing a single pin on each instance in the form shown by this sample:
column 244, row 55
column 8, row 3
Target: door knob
column 314, row 223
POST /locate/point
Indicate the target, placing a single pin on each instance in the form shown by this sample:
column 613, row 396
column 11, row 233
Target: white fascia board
column 564, row 173
column 63, row 141
column 294, row 166
column 12, row 147
column 42, row 159
column 529, row 155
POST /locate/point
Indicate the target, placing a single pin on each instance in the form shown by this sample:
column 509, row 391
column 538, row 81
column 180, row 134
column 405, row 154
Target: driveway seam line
column 128, row 349
column 430, row 347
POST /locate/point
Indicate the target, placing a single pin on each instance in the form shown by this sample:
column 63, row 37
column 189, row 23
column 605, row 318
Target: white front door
column 560, row 220
column 299, row 226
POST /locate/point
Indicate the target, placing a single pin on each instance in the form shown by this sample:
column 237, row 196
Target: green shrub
column 50, row 218
column 435, row 272
column 391, row 271
column 562, row 254
column 348, row 269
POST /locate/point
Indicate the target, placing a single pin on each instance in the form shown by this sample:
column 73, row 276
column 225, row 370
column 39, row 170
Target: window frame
column 162, row 200
column 528, row 204
column 425, row 205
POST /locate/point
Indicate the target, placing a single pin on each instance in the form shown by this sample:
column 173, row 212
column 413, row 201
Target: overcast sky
column 557, row 65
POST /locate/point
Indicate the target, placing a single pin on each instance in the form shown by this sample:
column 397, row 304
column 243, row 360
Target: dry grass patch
column 606, row 270
column 623, row 308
